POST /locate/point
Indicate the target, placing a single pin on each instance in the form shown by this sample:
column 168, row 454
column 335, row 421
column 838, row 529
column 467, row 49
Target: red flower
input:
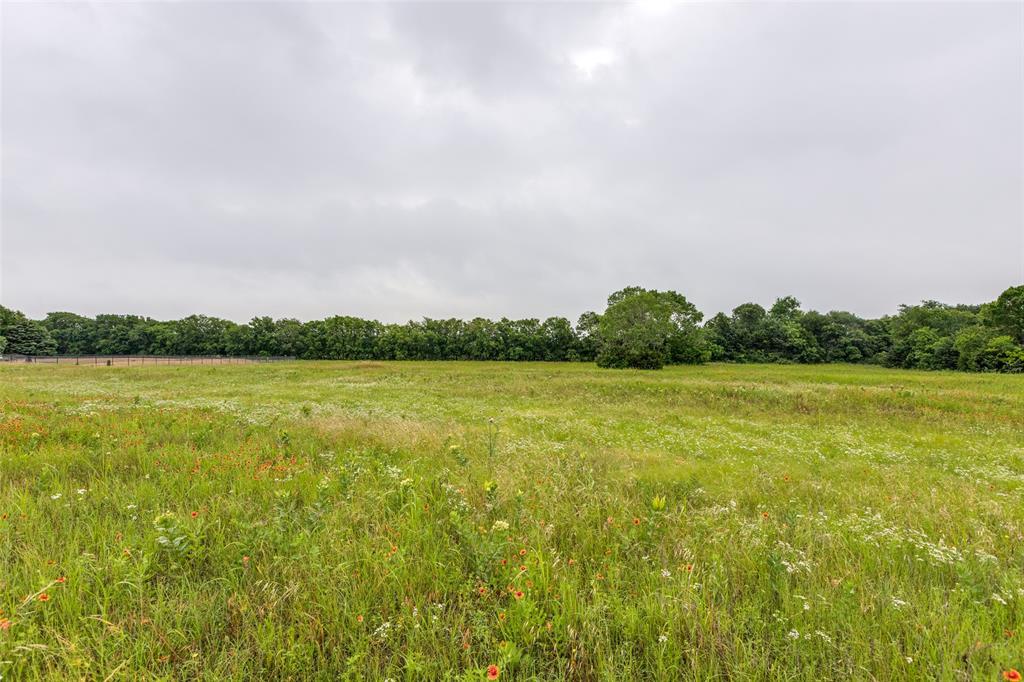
column 522, row 552
column 359, row 618
column 195, row 514
column 636, row 521
column 5, row 624
column 493, row 671
column 43, row 597
column 519, row 594
column 1011, row 675
column 61, row 580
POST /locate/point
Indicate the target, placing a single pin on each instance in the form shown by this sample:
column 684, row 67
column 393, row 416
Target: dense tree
column 640, row 328
column 29, row 337
column 647, row 329
column 73, row 334
column 1007, row 313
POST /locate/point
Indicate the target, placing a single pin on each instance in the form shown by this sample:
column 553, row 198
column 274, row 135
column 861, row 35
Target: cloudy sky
column 410, row 160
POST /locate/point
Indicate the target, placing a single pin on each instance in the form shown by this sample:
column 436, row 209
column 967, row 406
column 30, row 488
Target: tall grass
column 423, row 521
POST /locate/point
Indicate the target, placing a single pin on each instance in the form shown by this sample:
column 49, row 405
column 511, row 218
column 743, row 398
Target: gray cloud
column 415, row 159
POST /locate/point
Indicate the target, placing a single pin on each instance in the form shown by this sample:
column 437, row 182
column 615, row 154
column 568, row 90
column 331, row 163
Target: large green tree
column 647, row 329
column 1007, row 313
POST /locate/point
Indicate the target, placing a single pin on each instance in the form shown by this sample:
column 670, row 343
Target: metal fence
column 139, row 360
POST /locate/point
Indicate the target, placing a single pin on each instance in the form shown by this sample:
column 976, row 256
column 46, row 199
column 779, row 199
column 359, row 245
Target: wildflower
column 518, row 594
column 522, row 568
column 5, row 624
column 572, row 562
column 359, row 618
column 482, row 591
column 636, row 521
column 662, row 638
column 245, row 560
column 501, row 616
column 610, row 521
column 493, row 671
column 194, row 514
column 689, row 568
column 548, row 625
column 55, row 496
column 1011, row 675
column 61, row 580
column 1008, row 633
column 504, row 562
column 665, row 573
column 43, row 597
column 522, row 552
column 764, row 515
column 499, row 526
column 793, row 634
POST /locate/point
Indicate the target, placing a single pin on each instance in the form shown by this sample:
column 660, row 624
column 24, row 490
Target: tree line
column 641, row 328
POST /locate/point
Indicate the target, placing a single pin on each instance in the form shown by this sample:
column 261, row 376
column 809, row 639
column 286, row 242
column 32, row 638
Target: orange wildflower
column 61, row 580
column 519, row 594
column 359, row 618
column 43, row 597
column 5, row 624
column 636, row 521
column 493, row 671
column 1011, row 675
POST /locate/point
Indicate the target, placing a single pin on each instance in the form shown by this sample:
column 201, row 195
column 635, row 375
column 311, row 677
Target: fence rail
column 133, row 360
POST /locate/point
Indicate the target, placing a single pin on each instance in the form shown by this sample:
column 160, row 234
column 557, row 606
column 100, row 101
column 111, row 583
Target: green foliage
column 642, row 328
column 25, row 336
column 1007, row 313
column 647, row 329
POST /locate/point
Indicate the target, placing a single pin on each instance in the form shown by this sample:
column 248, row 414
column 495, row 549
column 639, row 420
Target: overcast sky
column 522, row 160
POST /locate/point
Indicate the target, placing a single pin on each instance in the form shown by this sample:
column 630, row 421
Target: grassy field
column 424, row 521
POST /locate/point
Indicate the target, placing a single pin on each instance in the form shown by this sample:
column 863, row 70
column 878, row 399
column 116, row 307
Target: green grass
column 421, row 521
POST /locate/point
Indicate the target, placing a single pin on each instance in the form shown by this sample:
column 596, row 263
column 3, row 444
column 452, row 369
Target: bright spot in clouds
column 589, row 61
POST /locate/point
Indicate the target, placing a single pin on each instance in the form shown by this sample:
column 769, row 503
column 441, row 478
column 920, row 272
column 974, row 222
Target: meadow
column 532, row 521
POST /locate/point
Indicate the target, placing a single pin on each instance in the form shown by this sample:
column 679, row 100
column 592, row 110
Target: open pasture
column 424, row 521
